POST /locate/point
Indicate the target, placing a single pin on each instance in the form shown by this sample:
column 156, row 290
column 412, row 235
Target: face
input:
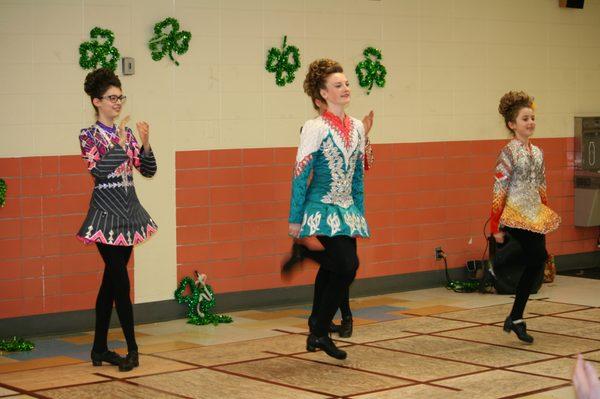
column 107, row 108
column 337, row 89
column 524, row 125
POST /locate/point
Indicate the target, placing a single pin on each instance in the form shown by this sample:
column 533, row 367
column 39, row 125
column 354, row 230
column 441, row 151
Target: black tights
column 534, row 259
column 338, row 265
column 322, row 258
column 115, row 288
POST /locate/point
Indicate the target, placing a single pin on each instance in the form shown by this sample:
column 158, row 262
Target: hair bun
column 96, row 79
column 514, row 100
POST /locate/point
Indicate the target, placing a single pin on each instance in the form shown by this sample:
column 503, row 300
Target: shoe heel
column 311, row 348
column 97, row 363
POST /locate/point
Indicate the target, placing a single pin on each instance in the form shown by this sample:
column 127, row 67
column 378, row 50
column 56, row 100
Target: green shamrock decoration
column 99, row 52
column 278, row 61
column 169, row 39
column 199, row 302
column 370, row 71
column 2, row 193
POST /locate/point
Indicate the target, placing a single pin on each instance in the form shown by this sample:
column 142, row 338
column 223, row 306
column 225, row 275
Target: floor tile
column 429, row 310
column 470, row 352
column 403, row 365
column 315, row 376
column 498, row 384
column 111, row 389
column 53, row 377
column 588, row 314
column 37, row 364
column 571, row 327
column 414, row 392
column 559, row 368
column 211, row 384
column 247, row 350
column 148, row 365
column 544, row 343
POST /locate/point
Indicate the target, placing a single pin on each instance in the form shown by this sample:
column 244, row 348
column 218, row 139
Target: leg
column 534, row 248
column 104, row 304
column 534, row 256
column 343, row 250
column 116, row 259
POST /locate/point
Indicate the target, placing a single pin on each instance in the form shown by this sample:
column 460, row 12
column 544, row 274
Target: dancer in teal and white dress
column 328, row 197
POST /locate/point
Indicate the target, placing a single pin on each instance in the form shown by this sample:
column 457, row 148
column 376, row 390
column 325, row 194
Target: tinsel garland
column 278, row 61
column 97, row 53
column 16, row 344
column 370, row 71
column 199, row 303
column 3, row 189
column 169, row 39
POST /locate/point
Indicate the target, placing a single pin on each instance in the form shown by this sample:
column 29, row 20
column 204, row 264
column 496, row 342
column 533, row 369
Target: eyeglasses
column 113, row 99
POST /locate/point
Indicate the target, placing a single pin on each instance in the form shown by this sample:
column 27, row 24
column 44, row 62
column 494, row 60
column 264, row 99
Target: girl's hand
column 121, row 131
column 144, row 132
column 499, row 237
column 294, row 230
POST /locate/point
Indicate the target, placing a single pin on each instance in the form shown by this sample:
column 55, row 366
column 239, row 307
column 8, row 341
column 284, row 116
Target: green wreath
column 168, row 39
column 200, row 301
column 278, row 62
column 99, row 52
column 370, row 71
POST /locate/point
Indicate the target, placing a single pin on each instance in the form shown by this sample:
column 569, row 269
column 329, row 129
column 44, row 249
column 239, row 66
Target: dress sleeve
column 542, row 184
column 100, row 166
column 358, row 186
column 310, row 142
column 142, row 160
column 369, row 157
column 502, row 177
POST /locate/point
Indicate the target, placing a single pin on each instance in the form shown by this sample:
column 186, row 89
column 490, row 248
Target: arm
column 143, row 159
column 358, row 185
column 502, row 178
column 542, row 186
column 310, row 141
column 100, row 167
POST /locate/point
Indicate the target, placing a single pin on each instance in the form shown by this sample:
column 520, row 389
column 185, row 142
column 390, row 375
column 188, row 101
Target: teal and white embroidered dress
column 332, row 202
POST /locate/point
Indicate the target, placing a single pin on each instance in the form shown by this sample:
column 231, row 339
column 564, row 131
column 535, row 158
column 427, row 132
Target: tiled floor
column 419, row 344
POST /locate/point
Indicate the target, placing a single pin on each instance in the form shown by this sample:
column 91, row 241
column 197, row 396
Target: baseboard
column 582, row 260
column 151, row 312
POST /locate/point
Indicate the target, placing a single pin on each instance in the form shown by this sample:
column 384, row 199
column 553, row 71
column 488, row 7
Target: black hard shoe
column 296, row 256
column 312, row 323
column 313, row 343
column 519, row 327
column 108, row 357
column 345, row 329
column 130, row 361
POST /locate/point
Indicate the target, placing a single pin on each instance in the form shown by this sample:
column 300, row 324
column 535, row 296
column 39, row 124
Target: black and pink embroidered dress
column 116, row 216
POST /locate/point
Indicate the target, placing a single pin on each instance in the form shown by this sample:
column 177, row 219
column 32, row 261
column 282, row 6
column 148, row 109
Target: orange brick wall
column 232, row 208
column 43, row 267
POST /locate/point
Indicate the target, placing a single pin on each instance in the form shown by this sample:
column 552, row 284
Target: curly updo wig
column 98, row 82
column 317, row 74
column 510, row 105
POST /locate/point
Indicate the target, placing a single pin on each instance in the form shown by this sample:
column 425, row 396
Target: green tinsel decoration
column 199, row 302
column 278, row 61
column 99, row 53
column 16, row 344
column 169, row 39
column 3, row 189
column 370, row 71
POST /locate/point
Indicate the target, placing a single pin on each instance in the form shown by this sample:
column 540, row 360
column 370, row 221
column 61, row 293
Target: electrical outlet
column 439, row 253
